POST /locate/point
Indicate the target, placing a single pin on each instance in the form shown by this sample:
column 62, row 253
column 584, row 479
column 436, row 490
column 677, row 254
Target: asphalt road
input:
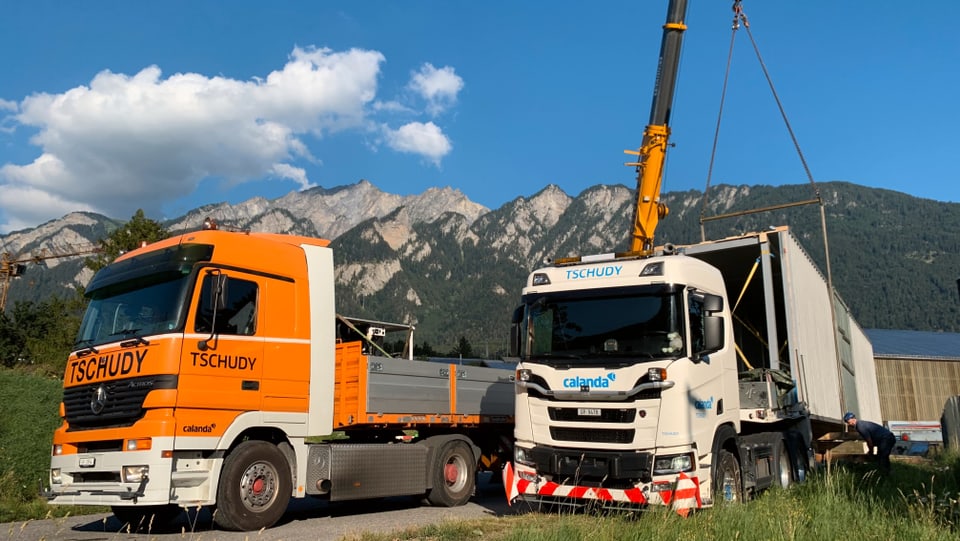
column 306, row 519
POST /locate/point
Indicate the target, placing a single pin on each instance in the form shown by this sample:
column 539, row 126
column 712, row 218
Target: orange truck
column 212, row 369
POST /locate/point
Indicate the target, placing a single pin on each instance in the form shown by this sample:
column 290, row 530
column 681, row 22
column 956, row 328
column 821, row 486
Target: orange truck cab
column 211, row 368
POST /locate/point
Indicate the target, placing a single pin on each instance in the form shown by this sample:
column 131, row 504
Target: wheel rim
column 258, row 486
column 785, row 473
column 729, row 488
column 455, row 473
column 729, row 481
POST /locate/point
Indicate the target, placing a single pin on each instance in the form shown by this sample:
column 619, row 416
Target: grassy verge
column 917, row 502
column 30, row 415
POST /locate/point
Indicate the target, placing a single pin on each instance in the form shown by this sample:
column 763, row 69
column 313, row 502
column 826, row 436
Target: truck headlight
column 668, row 464
column 522, row 456
column 135, row 474
column 55, row 477
column 657, row 374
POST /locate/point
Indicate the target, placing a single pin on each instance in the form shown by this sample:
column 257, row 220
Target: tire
column 727, row 481
column 255, row 487
column 784, row 465
column 453, row 475
column 146, row 518
column 799, row 456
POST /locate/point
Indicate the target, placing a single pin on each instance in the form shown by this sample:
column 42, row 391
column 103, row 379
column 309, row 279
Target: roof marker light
column 652, row 269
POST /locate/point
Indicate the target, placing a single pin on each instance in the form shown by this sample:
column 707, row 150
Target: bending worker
column 875, row 436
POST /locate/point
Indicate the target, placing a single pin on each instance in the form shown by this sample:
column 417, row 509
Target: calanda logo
column 199, row 429
column 599, row 382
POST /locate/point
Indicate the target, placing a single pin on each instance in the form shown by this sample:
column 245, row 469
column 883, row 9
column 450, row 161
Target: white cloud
column 33, row 206
column 296, row 174
column 7, row 122
column 126, row 142
column 392, row 107
column 418, row 138
column 439, row 87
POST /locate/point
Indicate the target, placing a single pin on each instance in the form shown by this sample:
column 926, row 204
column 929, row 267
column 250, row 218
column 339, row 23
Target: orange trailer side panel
column 349, row 396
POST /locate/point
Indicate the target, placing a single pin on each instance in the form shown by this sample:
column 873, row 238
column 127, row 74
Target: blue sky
column 112, row 106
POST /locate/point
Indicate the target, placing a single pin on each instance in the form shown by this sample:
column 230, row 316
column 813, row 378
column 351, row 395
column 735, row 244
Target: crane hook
column 739, row 15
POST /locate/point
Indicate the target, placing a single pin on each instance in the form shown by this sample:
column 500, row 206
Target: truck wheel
column 453, row 475
column 145, row 518
column 784, row 467
column 727, row 482
column 254, row 489
column 798, row 456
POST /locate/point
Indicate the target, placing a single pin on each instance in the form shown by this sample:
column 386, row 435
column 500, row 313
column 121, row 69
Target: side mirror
column 219, row 297
column 218, row 301
column 516, row 331
column 712, row 334
column 712, row 303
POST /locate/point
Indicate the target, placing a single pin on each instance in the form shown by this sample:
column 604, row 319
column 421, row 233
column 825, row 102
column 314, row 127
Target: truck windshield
column 145, row 307
column 594, row 326
column 140, row 296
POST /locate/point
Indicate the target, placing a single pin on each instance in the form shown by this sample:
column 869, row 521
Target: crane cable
column 740, row 17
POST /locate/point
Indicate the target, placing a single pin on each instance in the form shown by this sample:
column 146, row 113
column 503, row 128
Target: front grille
column 96, row 477
column 611, row 469
column 122, row 403
column 105, row 446
column 594, row 435
column 606, row 415
column 649, row 394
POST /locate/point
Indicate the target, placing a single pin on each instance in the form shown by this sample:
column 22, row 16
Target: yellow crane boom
column 652, row 152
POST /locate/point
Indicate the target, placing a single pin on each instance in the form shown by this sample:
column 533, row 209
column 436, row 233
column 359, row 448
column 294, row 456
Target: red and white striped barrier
column 685, row 495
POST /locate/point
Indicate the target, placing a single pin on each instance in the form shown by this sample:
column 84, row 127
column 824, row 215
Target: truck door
column 705, row 381
column 222, row 358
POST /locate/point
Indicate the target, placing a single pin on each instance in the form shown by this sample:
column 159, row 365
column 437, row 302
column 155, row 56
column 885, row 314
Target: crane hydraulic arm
column 13, row 267
column 653, row 150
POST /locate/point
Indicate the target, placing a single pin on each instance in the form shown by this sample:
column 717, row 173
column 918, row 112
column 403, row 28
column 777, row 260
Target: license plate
column 588, row 412
column 87, row 462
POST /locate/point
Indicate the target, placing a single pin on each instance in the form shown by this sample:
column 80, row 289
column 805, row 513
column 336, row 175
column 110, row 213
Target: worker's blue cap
column 847, row 416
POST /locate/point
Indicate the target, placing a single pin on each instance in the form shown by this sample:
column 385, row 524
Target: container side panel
column 868, row 394
column 813, row 350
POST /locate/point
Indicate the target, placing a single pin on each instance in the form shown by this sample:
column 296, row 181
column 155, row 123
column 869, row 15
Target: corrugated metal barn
column 916, row 372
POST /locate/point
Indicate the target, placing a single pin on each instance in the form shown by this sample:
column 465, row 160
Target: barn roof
column 914, row 344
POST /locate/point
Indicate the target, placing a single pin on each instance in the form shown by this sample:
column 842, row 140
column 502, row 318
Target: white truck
column 679, row 375
column 701, row 372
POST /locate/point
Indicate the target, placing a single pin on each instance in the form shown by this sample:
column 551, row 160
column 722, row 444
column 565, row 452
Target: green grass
column 30, row 415
column 917, row 502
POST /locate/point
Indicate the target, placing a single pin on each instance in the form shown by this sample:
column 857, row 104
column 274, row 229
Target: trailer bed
column 380, row 391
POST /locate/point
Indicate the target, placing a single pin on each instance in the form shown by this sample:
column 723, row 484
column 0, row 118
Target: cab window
column 697, row 313
column 239, row 314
